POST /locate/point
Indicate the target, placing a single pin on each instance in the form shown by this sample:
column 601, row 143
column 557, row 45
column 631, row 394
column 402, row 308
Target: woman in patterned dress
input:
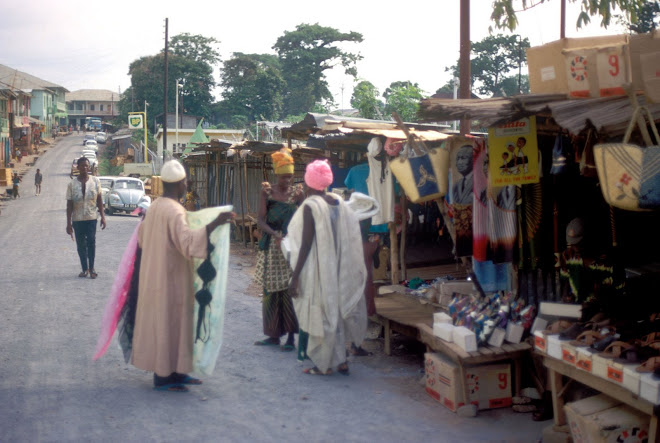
column 278, row 204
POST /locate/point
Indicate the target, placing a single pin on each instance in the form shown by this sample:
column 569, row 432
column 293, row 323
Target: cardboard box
column 645, row 62
column 599, row 365
column 584, row 358
column 539, row 325
column 578, row 414
column 554, row 346
column 569, row 353
column 617, row 424
column 550, row 64
column 650, row 64
column 649, row 388
column 489, row 386
column 540, row 343
column 514, row 332
column 465, row 339
column 6, row 174
column 497, row 337
column 441, row 317
column 444, row 331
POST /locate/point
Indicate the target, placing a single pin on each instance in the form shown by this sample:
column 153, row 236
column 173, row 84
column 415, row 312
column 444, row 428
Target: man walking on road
column 15, row 181
column 37, row 182
column 163, row 338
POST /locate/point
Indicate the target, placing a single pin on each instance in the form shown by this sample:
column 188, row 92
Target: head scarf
column 282, row 161
column 172, row 172
column 318, row 175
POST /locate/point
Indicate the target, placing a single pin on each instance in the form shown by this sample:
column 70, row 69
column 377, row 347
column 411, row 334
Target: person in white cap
column 163, row 337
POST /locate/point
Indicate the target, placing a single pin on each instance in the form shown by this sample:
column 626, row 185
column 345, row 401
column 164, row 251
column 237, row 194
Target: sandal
column 171, row 387
column 557, row 327
column 649, row 365
column 92, row 274
column 83, row 274
column 359, row 351
column 267, row 342
column 316, row 371
column 615, row 349
column 343, row 369
column 287, row 348
column 587, row 338
column 185, row 379
column 649, row 339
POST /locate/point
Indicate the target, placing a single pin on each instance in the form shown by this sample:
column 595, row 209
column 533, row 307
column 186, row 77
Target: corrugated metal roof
column 15, row 79
column 608, row 114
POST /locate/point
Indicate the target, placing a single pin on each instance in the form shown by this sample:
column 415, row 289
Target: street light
column 176, row 124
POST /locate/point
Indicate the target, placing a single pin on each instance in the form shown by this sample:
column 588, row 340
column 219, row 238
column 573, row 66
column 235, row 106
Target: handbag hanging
column 629, row 175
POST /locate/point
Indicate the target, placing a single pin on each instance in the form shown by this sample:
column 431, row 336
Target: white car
column 91, row 144
column 125, row 194
column 90, row 155
column 101, row 137
column 106, row 185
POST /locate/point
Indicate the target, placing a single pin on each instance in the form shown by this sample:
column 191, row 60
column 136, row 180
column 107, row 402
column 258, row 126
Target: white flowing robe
column 330, row 305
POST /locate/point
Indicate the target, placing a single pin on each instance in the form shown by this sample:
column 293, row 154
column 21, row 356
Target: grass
column 105, row 168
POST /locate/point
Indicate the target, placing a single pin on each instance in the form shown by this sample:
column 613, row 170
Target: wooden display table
column 558, row 368
column 406, row 315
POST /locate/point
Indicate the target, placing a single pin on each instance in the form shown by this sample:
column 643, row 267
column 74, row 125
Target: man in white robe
column 329, row 274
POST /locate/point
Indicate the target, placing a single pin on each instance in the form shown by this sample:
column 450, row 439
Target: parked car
column 87, row 137
column 106, row 185
column 125, row 194
column 91, row 144
column 101, row 137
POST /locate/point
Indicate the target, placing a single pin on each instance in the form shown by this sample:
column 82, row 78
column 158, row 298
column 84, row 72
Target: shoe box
column 649, row 388
column 602, row 419
column 553, row 346
column 624, row 375
column 568, row 353
column 489, row 386
column 540, row 342
column 584, row 358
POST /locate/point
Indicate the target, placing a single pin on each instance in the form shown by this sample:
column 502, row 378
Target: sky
column 90, row 44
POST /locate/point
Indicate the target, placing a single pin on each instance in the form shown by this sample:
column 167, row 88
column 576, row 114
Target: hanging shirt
column 379, row 182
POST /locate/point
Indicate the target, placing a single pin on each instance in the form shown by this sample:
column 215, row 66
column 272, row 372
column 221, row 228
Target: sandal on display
column 649, row 339
column 587, row 338
column 572, row 332
column 649, row 365
column 600, row 345
column 557, row 327
column 629, row 355
column 316, row 371
column 615, row 348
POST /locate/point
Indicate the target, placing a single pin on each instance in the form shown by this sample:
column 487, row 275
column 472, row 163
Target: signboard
column 513, row 153
column 135, row 121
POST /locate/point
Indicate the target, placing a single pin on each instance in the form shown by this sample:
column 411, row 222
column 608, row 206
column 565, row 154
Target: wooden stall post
column 404, row 229
column 394, row 254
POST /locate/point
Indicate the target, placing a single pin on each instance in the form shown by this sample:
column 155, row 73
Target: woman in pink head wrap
column 329, row 275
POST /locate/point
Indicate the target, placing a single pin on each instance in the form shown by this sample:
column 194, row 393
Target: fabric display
column 460, row 196
column 482, row 315
column 356, row 179
column 379, row 182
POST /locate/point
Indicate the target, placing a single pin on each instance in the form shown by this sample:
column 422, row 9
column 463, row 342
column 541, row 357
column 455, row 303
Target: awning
column 60, row 115
column 35, row 121
column 18, row 122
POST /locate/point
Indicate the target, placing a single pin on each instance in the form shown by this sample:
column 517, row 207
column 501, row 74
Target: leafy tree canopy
column 305, row 55
column 648, row 16
column 365, row 100
column 404, row 98
column 505, row 15
column 253, row 86
column 196, row 47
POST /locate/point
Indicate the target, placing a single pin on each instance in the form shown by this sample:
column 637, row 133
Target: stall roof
column 608, row 114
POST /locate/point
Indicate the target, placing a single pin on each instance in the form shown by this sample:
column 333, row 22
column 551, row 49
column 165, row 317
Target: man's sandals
column 342, row 369
column 270, row 341
column 178, row 382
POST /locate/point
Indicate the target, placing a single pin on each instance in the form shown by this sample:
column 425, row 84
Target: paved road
column 51, row 390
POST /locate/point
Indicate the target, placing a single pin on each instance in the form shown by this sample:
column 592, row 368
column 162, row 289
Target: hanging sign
column 513, row 153
column 135, row 121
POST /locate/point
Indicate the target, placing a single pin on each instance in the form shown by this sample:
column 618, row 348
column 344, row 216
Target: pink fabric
column 117, row 296
column 318, row 175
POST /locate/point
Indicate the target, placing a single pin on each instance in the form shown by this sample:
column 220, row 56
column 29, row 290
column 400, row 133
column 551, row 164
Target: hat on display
column 282, row 161
column 574, row 231
column 318, row 175
column 172, row 172
column 364, row 206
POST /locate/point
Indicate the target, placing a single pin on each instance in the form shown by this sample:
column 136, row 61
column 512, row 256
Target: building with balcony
column 85, row 103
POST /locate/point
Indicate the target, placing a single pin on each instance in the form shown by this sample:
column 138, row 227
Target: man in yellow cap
column 277, row 205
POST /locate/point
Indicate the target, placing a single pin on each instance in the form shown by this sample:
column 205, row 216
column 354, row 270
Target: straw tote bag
column 423, row 177
column 629, row 175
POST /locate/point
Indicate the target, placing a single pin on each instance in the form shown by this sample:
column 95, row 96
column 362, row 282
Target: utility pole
column 464, row 61
column 165, row 99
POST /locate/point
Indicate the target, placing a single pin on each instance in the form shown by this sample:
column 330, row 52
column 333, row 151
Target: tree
column 509, row 86
column 504, row 13
column 253, row 86
column 404, row 100
column 495, row 58
column 191, row 62
column 305, row 55
column 648, row 16
column 365, row 100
